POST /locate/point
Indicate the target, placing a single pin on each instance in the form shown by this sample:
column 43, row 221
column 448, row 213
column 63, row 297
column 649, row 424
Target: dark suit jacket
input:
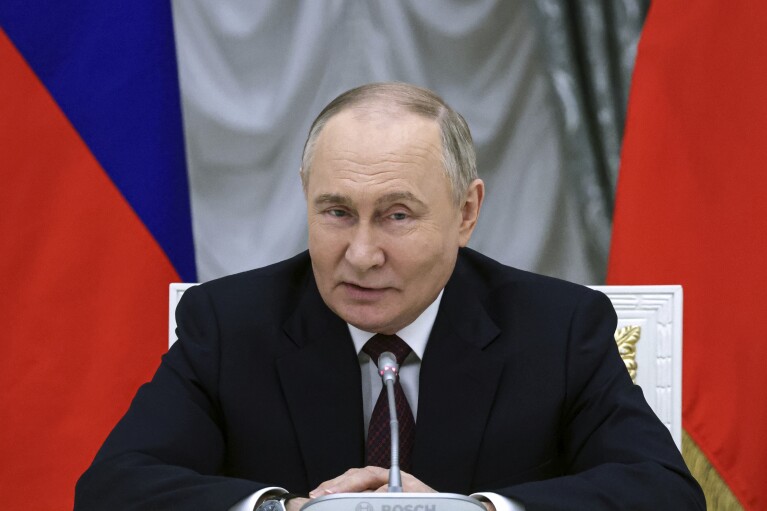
column 522, row 392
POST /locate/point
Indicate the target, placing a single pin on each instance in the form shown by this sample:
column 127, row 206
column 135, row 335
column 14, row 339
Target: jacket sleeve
column 616, row 453
column 167, row 452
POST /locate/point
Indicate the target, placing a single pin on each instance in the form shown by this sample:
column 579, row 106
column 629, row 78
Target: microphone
column 388, row 369
column 395, row 499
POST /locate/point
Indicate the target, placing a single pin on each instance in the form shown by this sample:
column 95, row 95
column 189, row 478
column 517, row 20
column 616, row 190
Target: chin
column 367, row 325
column 367, row 322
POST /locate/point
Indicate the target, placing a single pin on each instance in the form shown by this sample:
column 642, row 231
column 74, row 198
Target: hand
column 367, row 479
column 295, row 504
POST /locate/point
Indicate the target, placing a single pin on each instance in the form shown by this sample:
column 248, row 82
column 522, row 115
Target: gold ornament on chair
column 627, row 338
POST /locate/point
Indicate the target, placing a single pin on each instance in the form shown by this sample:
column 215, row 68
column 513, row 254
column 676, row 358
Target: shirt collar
column 416, row 334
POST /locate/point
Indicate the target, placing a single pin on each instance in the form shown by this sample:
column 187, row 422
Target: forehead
column 374, row 151
column 380, row 132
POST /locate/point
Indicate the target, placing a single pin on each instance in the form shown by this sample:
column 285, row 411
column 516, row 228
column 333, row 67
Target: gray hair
column 458, row 156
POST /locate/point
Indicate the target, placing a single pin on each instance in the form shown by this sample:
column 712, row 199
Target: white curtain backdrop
column 255, row 73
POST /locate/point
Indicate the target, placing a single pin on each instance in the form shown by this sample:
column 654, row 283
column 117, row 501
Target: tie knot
column 380, row 343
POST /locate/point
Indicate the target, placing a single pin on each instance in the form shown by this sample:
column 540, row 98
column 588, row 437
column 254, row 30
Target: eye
column 336, row 213
column 398, row 216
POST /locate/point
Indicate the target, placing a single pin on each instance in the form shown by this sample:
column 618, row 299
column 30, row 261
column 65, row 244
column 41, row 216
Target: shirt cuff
column 500, row 502
column 249, row 502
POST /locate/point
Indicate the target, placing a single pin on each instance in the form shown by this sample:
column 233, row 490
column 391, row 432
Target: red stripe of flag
column 83, row 301
column 692, row 209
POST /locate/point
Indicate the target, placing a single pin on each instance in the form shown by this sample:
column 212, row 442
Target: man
column 513, row 387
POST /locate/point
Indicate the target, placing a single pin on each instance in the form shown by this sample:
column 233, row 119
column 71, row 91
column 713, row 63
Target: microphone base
column 394, row 502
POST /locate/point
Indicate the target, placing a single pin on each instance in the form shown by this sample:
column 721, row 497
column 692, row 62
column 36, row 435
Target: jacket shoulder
column 489, row 276
column 269, row 292
column 510, row 295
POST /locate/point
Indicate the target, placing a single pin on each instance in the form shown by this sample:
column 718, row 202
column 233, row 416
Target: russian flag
column 692, row 209
column 94, row 224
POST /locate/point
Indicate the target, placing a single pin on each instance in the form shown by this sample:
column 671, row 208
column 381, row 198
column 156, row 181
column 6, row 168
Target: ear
column 470, row 210
column 303, row 179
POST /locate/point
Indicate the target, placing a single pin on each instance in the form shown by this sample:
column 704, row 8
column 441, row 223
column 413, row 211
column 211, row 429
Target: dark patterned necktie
column 379, row 434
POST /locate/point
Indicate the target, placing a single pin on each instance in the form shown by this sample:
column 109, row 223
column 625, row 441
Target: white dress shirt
column 416, row 335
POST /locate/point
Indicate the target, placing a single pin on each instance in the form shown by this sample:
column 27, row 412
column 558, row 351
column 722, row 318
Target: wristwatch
column 275, row 502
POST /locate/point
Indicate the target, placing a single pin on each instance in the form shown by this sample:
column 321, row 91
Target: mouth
column 362, row 293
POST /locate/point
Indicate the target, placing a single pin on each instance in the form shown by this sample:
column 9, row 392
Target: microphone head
column 387, row 366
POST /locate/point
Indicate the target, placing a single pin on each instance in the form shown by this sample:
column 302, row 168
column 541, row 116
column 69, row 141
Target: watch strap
column 282, row 498
column 287, row 496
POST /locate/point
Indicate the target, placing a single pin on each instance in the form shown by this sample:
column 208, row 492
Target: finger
column 412, row 484
column 295, row 504
column 359, row 480
column 353, row 480
column 325, row 488
column 320, row 490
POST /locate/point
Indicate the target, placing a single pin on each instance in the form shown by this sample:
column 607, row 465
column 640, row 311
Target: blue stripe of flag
column 111, row 67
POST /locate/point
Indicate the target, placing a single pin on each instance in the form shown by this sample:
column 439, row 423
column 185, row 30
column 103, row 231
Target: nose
column 364, row 252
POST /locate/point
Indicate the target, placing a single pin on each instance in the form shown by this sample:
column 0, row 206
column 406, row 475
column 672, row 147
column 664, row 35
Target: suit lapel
column 321, row 382
column 458, row 381
column 457, row 387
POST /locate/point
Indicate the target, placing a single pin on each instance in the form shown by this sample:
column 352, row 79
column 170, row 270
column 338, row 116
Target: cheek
column 424, row 256
column 320, row 236
column 326, row 247
column 319, row 248
column 430, row 241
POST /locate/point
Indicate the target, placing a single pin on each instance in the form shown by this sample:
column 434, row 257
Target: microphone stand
column 388, row 368
column 395, row 499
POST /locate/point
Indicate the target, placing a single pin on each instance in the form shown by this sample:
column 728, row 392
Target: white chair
column 176, row 290
column 654, row 350
column 657, row 310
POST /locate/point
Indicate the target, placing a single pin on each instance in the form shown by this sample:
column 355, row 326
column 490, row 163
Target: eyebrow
column 333, row 198
column 343, row 200
column 398, row 196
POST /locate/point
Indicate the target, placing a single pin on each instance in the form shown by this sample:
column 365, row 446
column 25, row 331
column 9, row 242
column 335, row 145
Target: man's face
column 384, row 231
